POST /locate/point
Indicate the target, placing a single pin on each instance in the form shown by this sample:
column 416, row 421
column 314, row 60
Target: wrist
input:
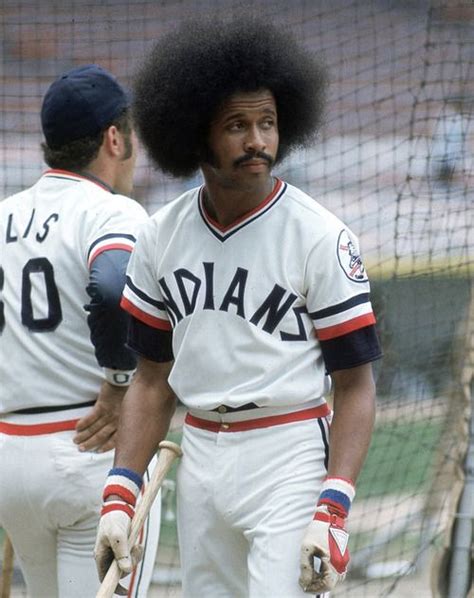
column 337, row 495
column 118, row 377
column 334, row 518
column 123, row 484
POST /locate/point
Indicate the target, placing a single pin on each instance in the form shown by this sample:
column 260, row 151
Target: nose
column 254, row 141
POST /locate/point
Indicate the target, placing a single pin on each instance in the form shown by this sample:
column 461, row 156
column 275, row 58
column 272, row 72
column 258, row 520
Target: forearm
column 352, row 425
column 326, row 536
column 145, row 418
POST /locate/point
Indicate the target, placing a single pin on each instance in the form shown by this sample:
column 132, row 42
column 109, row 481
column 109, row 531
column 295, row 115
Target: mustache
column 260, row 155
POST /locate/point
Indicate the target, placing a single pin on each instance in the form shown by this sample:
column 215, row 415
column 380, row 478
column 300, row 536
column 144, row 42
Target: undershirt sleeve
column 151, row 343
column 108, row 323
column 351, row 350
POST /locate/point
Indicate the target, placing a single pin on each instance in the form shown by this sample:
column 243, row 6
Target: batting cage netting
column 395, row 162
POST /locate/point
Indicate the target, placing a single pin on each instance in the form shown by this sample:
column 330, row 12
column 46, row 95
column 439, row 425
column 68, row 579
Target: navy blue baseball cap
column 80, row 103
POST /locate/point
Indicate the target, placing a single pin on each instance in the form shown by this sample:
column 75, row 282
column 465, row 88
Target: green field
column 400, row 458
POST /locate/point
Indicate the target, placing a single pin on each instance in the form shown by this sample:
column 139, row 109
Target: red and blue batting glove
column 326, row 538
column 120, row 496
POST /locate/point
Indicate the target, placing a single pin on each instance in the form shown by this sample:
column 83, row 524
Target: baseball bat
column 7, row 567
column 169, row 451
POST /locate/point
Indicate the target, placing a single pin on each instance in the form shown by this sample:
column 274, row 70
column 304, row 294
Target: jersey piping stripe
column 340, row 307
column 152, row 321
column 325, row 442
column 260, row 206
column 325, row 334
column 57, row 173
column 129, row 240
column 143, row 296
column 223, row 233
column 37, row 429
column 120, row 246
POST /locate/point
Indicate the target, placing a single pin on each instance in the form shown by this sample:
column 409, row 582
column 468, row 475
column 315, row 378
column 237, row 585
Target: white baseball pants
column 50, row 501
column 245, row 499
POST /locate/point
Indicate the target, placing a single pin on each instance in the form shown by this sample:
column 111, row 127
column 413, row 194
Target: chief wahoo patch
column 349, row 258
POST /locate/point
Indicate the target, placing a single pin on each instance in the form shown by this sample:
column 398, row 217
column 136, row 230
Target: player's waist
column 43, row 420
column 251, row 417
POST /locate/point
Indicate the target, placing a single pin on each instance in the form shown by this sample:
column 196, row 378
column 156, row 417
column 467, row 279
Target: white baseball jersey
column 50, row 233
column 256, row 309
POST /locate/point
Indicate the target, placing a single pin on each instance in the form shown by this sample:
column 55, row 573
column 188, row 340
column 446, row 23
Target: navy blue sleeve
column 350, row 350
column 152, row 343
column 108, row 322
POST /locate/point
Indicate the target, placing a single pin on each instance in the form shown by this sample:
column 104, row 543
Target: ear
column 113, row 141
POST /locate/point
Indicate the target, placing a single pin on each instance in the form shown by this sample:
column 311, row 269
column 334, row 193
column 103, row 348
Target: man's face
column 243, row 139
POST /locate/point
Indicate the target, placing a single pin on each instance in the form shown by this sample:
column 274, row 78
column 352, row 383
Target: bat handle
column 169, row 451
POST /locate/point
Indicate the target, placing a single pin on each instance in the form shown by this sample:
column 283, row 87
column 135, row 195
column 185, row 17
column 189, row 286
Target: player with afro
column 248, row 301
column 191, row 72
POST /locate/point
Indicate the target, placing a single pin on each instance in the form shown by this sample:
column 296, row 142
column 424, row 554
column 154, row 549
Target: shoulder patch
column 349, row 258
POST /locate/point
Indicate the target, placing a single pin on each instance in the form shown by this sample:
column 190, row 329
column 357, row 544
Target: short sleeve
column 142, row 296
column 338, row 301
column 338, row 289
column 114, row 225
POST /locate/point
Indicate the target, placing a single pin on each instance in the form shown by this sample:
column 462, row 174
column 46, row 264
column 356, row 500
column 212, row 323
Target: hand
column 96, row 430
column 112, row 543
column 326, row 539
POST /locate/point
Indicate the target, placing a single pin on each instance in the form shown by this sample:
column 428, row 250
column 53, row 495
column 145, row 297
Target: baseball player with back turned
column 65, row 244
column 247, row 299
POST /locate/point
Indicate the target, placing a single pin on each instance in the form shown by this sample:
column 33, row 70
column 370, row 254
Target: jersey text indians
column 268, row 315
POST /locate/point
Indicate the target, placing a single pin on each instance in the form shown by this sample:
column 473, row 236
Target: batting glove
column 115, row 522
column 326, row 538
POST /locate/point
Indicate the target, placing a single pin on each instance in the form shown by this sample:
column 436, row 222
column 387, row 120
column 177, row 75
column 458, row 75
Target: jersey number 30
column 37, row 266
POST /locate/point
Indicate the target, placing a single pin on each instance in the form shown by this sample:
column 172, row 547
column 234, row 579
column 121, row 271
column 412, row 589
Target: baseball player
column 248, row 299
column 65, row 243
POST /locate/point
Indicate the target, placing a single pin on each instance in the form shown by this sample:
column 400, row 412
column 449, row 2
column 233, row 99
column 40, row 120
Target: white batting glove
column 114, row 526
column 326, row 539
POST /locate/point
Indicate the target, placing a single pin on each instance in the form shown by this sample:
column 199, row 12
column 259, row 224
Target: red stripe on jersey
column 73, row 175
column 152, row 321
column 329, row 332
column 247, row 215
column 37, row 429
column 100, row 250
column 255, row 424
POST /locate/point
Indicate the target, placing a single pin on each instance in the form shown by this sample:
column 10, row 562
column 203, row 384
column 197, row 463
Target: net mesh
column 394, row 161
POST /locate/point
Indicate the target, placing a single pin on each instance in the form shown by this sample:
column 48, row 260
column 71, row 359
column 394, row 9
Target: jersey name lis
column 267, row 316
column 12, row 230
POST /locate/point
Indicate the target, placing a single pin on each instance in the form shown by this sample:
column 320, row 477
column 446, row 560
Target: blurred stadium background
column 395, row 161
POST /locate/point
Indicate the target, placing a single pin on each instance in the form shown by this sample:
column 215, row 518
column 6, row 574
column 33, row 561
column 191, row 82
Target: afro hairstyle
column 192, row 70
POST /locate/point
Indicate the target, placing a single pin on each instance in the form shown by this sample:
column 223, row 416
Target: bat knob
column 172, row 446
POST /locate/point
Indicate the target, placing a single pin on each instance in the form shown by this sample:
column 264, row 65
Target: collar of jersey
column 224, row 232
column 57, row 173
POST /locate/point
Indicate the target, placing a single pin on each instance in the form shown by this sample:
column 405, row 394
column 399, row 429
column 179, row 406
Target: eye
column 268, row 123
column 237, row 125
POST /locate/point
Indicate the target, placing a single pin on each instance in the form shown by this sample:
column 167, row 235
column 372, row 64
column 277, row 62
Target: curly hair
column 78, row 154
column 192, row 70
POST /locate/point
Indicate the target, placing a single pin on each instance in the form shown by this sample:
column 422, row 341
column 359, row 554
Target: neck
column 226, row 205
column 103, row 173
column 97, row 179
